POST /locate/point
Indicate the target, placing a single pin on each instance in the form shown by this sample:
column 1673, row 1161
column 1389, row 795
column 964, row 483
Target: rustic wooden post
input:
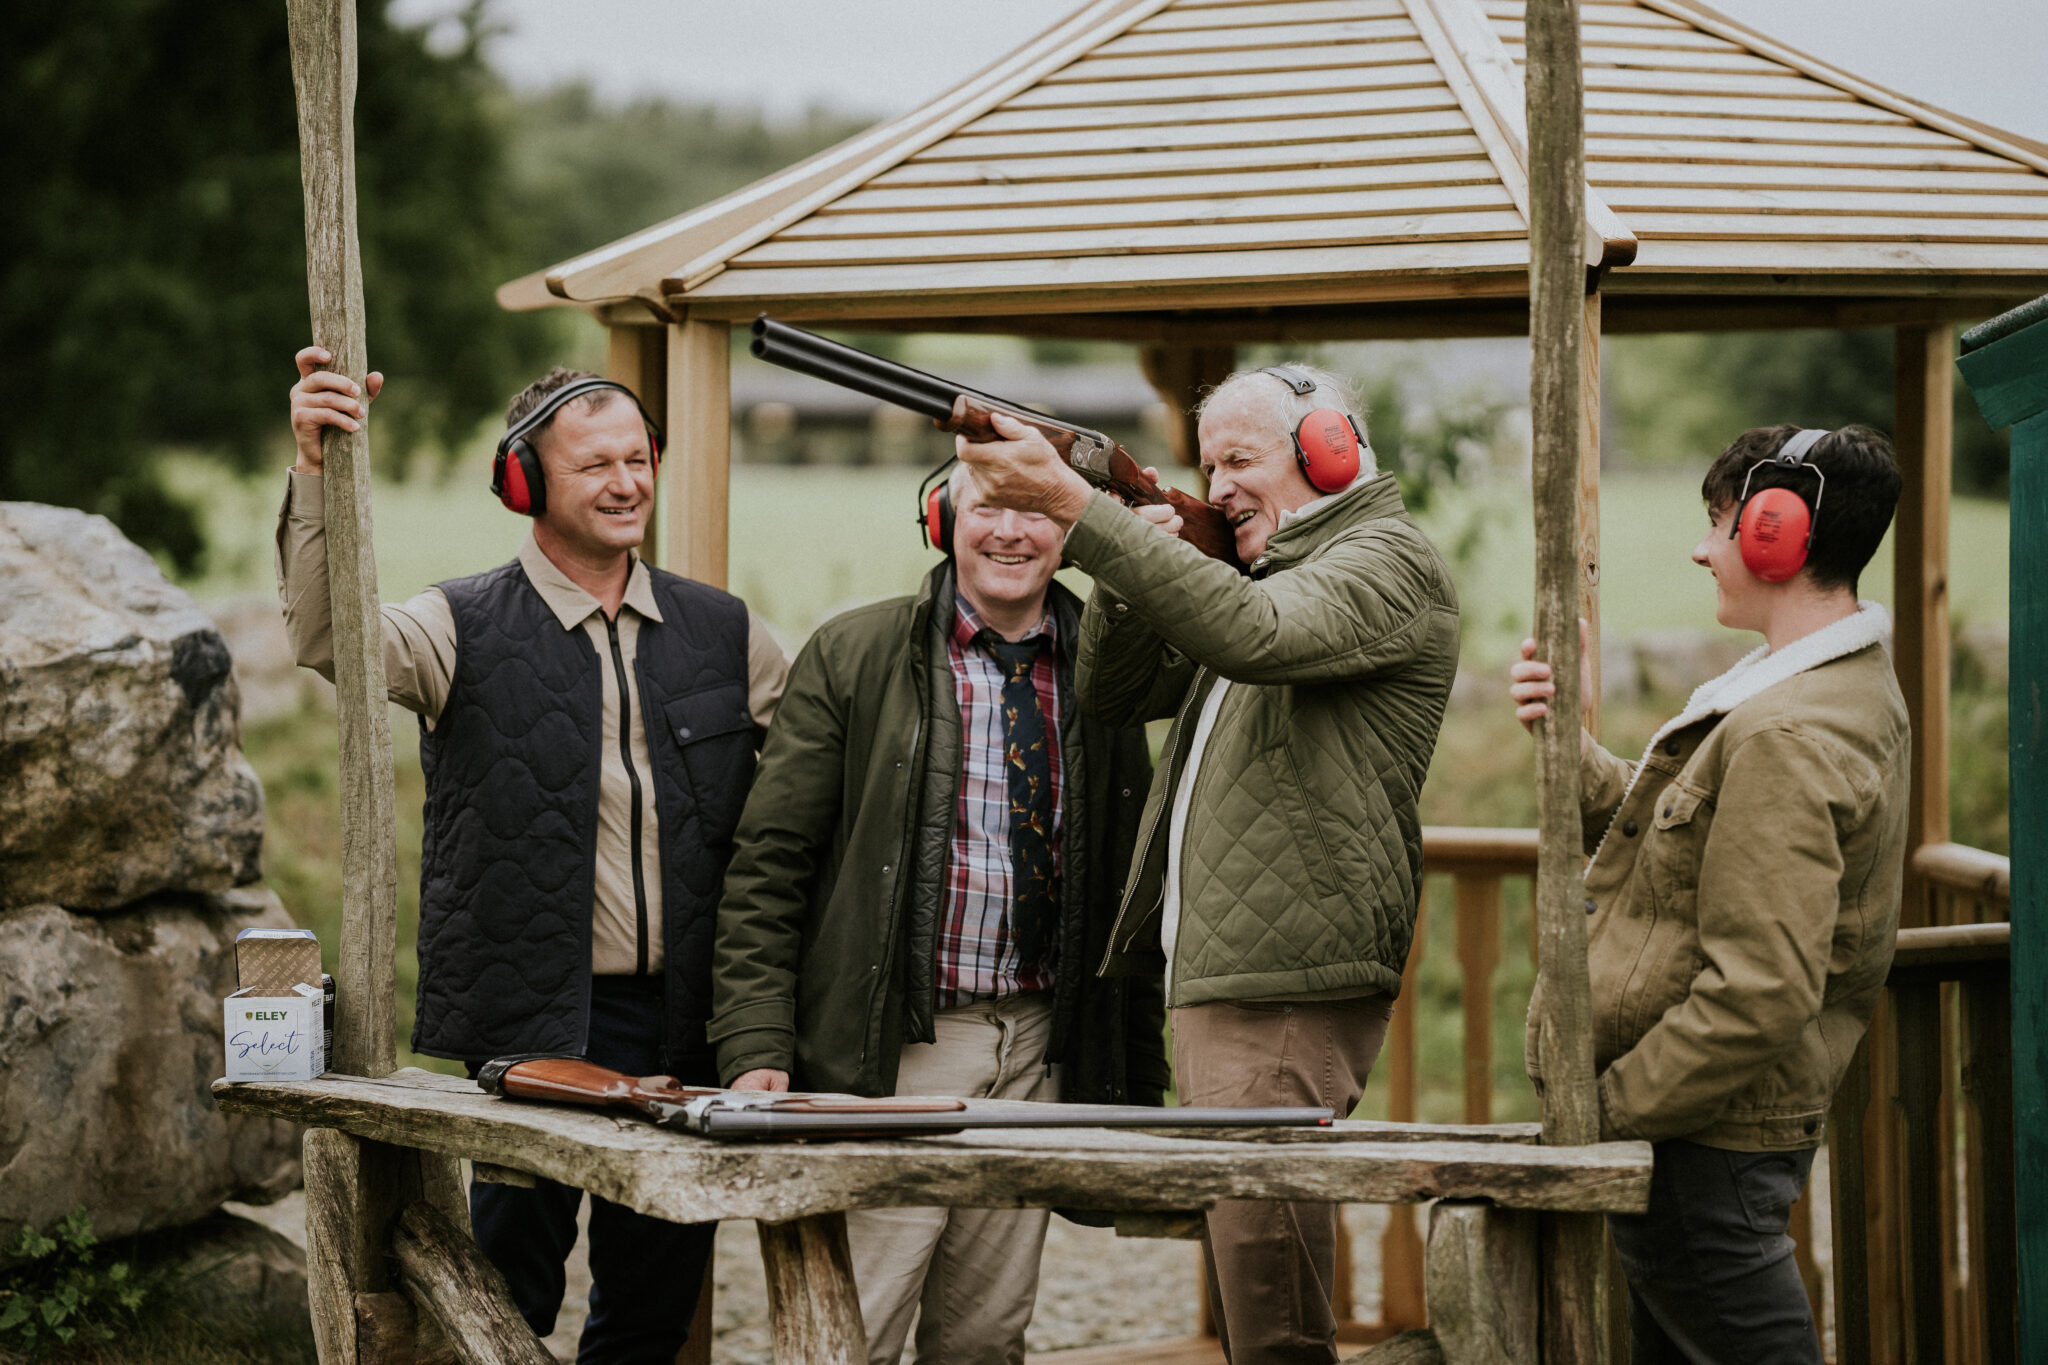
column 323, row 43
column 1404, row 1301
column 813, row 1304
column 1923, row 398
column 2005, row 362
column 637, row 357
column 1572, row 1316
column 1482, row 1283
column 1589, row 495
column 1180, row 375
column 697, row 520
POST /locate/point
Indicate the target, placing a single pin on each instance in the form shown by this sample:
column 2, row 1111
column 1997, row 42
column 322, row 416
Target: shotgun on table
column 763, row 1114
column 966, row 412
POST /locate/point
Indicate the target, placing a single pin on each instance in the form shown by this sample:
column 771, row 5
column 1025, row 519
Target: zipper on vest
column 611, row 627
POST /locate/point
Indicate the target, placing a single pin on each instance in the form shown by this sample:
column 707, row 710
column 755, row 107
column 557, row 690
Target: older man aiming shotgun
column 1279, row 859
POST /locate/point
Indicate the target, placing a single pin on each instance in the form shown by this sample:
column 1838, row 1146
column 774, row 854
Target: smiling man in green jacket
column 1744, row 895
column 1280, row 860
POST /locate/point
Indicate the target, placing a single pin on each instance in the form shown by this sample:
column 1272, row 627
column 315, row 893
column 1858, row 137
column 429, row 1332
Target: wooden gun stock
column 1104, row 464
column 571, row 1080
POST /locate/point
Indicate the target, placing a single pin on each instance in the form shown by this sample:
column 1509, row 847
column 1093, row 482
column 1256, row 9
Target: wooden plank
column 1171, row 162
column 1918, row 1040
column 700, row 450
column 1629, row 34
column 1478, row 957
column 1504, row 11
column 813, row 1306
column 1398, row 87
column 692, row 1180
column 1987, row 1089
column 450, row 1280
column 1184, row 18
column 1933, row 269
column 1312, row 33
column 1725, row 60
column 1482, row 1284
column 1848, row 1207
column 1697, row 122
column 1652, row 224
column 1474, row 225
column 1137, row 72
column 1712, row 88
column 1114, row 114
column 1658, row 98
column 329, row 1160
column 323, row 55
column 1303, row 180
column 1904, row 182
column 1874, row 201
column 978, row 220
column 1923, row 369
column 1589, row 495
column 1676, row 156
column 1434, row 115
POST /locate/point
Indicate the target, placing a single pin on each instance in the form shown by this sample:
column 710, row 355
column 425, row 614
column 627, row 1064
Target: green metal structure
column 2005, row 363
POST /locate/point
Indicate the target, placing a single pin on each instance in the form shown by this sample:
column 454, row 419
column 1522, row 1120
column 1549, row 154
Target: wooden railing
column 1937, row 1248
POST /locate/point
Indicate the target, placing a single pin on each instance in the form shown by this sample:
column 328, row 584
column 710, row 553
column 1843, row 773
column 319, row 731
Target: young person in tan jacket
column 1744, row 896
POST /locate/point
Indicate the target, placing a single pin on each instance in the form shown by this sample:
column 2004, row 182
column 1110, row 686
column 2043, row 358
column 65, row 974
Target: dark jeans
column 645, row 1273
column 1711, row 1277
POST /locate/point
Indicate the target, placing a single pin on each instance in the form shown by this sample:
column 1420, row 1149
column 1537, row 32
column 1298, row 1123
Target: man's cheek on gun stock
column 1024, row 471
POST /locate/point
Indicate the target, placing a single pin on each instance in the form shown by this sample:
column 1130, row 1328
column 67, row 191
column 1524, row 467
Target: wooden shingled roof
column 1178, row 154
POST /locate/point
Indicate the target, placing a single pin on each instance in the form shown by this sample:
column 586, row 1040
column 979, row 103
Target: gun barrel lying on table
column 966, row 412
column 760, row 1114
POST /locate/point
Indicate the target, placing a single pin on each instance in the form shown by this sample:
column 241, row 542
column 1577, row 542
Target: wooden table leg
column 813, row 1304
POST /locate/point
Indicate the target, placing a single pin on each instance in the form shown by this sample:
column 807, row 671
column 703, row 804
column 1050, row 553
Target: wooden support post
column 452, row 1285
column 1987, row 1088
column 323, row 50
column 1403, row 1300
column 1917, row 1016
column 1573, row 1313
column 1848, row 1203
column 1180, row 375
column 813, row 1304
column 638, row 358
column 2006, row 363
column 1478, row 955
column 697, row 521
column 1923, row 395
column 1482, row 1283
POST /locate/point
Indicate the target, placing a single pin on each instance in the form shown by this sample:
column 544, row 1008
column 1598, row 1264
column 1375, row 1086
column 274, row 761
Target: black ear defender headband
column 515, row 469
column 1327, row 442
column 1775, row 527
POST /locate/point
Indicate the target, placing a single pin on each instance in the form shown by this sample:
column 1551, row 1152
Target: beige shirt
column 419, row 666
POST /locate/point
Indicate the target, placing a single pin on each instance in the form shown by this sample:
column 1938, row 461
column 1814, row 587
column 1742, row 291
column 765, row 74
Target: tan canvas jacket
column 1744, row 894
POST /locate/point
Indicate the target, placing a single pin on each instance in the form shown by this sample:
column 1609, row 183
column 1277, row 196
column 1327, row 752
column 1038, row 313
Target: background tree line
column 153, row 273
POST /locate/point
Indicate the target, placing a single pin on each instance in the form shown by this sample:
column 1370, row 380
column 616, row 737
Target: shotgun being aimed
column 759, row 1114
column 966, row 412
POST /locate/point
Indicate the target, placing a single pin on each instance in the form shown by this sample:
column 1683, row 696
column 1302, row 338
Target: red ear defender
column 517, row 480
column 1775, row 528
column 935, row 517
column 1326, row 443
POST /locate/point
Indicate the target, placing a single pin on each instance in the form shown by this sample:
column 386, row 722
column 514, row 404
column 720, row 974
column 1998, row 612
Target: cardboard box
column 275, row 960
column 275, row 1037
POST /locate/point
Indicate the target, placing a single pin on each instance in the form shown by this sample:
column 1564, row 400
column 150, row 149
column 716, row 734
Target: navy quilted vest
column 508, row 862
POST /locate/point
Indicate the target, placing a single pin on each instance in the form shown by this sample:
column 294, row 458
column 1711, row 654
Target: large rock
column 110, row 1035
column 121, row 773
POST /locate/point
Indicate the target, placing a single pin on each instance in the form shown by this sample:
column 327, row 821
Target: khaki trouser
column 1271, row 1264
column 973, row 1272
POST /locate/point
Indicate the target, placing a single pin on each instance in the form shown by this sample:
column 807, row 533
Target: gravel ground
column 1095, row 1288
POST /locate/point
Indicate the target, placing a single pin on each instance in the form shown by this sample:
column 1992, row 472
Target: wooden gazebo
column 1196, row 175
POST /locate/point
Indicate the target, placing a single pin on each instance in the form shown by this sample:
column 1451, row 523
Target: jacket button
column 1591, row 905
column 1127, row 791
column 1628, row 829
column 682, row 732
column 1121, row 608
column 1671, row 747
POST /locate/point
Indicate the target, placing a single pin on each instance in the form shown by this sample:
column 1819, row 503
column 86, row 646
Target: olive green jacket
column 1302, row 850
column 825, row 953
column 1745, row 895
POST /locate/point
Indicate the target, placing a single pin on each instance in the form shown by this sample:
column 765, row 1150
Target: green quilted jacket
column 1301, row 859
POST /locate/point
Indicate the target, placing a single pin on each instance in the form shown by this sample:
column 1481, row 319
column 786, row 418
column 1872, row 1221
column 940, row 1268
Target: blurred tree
column 1681, row 399
column 152, row 258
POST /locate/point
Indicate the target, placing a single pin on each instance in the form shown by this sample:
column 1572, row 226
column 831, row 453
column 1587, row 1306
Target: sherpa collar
column 1761, row 669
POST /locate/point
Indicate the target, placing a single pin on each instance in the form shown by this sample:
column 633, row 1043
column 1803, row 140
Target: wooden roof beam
column 1488, row 85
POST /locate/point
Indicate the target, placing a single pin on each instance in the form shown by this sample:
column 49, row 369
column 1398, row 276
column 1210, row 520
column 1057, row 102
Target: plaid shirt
column 977, row 947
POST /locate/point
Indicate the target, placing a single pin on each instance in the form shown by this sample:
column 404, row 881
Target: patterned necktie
column 1034, row 905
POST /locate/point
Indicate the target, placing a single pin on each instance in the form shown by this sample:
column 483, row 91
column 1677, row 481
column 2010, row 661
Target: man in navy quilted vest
column 588, row 725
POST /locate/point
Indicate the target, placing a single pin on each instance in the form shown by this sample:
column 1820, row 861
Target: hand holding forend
column 967, row 412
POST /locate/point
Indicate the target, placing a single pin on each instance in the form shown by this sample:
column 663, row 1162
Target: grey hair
column 1287, row 407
